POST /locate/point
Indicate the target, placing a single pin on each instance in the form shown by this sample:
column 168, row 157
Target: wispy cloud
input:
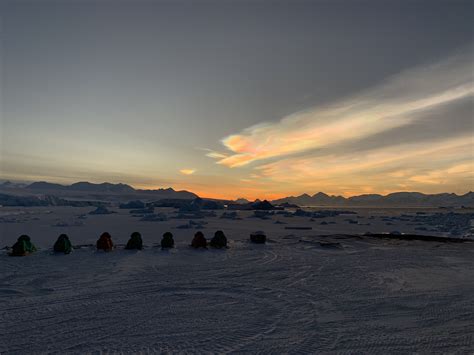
column 397, row 102
column 187, row 171
column 411, row 132
column 216, row 155
column 447, row 166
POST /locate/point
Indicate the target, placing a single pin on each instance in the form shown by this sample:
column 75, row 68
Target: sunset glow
column 254, row 109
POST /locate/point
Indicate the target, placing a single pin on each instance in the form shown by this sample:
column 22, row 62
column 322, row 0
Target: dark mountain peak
column 405, row 194
column 43, row 185
column 303, row 196
column 320, row 195
column 103, row 187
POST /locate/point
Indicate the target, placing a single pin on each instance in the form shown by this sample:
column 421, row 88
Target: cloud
column 401, row 101
column 216, row 155
column 187, row 171
column 446, row 166
column 413, row 132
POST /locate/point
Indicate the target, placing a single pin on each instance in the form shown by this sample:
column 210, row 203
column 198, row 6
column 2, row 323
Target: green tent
column 23, row 246
column 135, row 241
column 219, row 240
column 167, row 241
column 63, row 244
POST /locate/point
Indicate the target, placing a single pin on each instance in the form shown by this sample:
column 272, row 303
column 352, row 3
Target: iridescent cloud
column 412, row 132
column 397, row 102
column 445, row 166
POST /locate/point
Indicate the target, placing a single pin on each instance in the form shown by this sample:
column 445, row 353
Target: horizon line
column 137, row 187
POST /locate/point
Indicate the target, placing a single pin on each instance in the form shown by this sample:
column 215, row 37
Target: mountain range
column 396, row 199
column 124, row 192
column 88, row 189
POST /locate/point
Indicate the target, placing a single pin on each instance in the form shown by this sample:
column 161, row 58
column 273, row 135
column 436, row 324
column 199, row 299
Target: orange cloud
column 393, row 104
column 445, row 166
column 187, row 171
column 340, row 148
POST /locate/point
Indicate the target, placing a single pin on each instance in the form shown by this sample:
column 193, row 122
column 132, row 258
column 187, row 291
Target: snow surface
column 292, row 294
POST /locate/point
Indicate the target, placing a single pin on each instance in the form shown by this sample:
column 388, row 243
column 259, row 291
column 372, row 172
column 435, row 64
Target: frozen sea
column 295, row 294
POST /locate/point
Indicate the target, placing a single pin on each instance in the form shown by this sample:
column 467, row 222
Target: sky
column 237, row 98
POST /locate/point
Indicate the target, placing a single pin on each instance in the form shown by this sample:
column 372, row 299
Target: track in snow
column 288, row 296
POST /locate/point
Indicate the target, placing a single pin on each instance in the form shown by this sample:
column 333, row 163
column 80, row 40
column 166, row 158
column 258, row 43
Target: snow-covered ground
column 292, row 295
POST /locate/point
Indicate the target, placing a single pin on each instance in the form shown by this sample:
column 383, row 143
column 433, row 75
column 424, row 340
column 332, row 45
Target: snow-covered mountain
column 396, row 199
column 87, row 190
column 82, row 186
